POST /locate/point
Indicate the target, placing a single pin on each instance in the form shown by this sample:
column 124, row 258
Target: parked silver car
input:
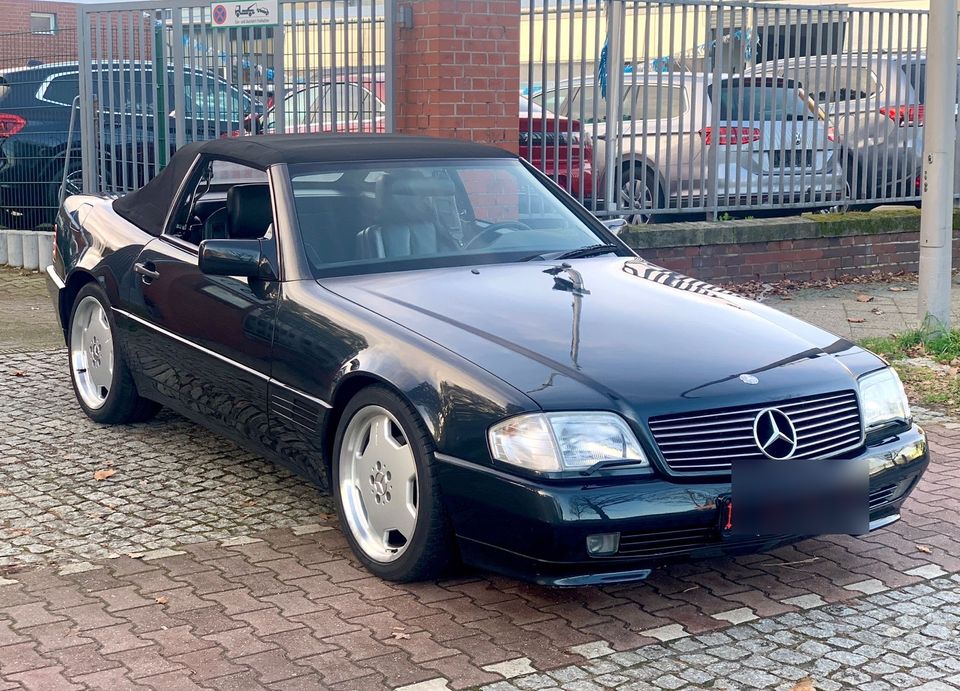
column 685, row 142
column 875, row 102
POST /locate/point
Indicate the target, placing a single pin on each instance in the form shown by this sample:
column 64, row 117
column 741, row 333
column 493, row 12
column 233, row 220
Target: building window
column 43, row 22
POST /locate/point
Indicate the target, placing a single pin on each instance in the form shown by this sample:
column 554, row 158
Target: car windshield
column 375, row 217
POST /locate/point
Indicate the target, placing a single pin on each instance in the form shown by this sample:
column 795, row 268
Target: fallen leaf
column 864, row 298
column 135, row 555
column 326, row 516
column 805, row 684
column 924, row 549
column 18, row 373
column 161, row 600
column 856, row 320
column 896, row 289
column 877, row 311
column 399, row 636
column 104, row 474
column 786, row 297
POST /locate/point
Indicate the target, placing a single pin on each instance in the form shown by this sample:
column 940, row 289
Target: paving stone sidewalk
column 197, row 565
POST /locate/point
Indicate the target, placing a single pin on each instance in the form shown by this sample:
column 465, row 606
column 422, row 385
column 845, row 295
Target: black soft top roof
column 147, row 207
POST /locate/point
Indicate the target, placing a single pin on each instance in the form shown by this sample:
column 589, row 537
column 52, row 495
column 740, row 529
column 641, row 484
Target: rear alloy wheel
column 385, row 490
column 637, row 193
column 101, row 380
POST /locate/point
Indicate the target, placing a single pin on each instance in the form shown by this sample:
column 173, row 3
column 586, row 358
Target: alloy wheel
column 378, row 484
column 91, row 352
column 635, row 194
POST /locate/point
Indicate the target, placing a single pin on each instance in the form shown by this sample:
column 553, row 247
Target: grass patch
column 944, row 348
column 935, row 386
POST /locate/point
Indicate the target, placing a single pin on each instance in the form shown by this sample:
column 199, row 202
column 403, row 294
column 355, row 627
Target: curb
column 25, row 249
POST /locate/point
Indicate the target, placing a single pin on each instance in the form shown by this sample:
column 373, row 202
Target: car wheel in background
column 638, row 191
column 386, row 491
column 100, row 377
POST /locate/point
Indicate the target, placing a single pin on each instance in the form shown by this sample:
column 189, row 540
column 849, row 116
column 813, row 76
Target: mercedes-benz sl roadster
column 474, row 366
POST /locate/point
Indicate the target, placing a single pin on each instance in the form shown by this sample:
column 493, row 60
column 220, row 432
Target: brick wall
column 807, row 248
column 457, row 71
column 18, row 45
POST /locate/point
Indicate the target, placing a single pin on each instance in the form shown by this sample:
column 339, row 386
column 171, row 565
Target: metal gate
column 673, row 108
column 155, row 77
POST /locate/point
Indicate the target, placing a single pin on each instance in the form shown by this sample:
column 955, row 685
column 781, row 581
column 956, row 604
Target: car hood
column 612, row 333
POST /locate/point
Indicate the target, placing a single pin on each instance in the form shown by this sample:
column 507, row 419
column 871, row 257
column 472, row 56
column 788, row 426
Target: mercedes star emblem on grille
column 775, row 434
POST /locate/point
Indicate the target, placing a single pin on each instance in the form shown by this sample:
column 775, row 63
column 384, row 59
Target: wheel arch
column 74, row 284
column 348, row 387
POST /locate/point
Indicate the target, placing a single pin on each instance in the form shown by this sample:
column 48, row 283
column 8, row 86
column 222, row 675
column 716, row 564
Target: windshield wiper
column 579, row 253
column 591, row 251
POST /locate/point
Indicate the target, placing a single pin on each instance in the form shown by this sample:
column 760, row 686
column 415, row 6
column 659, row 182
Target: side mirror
column 235, row 258
column 614, row 225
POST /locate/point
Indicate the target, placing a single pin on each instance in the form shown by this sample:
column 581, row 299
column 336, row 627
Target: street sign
column 244, row 13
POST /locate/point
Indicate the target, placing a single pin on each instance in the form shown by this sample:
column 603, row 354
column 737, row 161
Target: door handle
column 147, row 271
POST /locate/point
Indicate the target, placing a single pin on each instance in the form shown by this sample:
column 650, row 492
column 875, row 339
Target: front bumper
column 55, row 286
column 537, row 531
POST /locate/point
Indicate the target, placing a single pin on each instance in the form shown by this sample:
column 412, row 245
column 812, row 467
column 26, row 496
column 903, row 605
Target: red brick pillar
column 458, row 70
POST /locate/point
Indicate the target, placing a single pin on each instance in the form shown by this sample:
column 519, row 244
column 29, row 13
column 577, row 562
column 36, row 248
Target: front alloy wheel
column 378, row 484
column 386, row 491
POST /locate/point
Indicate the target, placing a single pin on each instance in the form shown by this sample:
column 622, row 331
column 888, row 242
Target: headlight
column 883, row 399
column 550, row 442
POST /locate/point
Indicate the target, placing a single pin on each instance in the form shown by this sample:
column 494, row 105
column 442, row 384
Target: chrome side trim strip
column 318, row 401
column 222, row 358
column 52, row 273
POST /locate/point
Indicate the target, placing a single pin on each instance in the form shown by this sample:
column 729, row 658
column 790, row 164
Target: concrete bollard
column 3, row 246
column 14, row 248
column 31, row 257
column 45, row 249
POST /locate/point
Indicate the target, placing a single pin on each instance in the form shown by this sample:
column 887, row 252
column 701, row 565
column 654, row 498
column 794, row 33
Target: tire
column 373, row 493
column 637, row 182
column 101, row 379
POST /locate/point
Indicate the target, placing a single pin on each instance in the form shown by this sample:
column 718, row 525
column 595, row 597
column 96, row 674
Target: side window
column 653, row 102
column 62, row 89
column 223, row 200
column 553, row 100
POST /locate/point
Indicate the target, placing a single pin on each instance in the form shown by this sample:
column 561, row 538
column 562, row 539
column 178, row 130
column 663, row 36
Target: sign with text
column 255, row 13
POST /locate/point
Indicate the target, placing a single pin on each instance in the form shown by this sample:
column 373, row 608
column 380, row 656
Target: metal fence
column 664, row 109
column 30, row 175
column 163, row 76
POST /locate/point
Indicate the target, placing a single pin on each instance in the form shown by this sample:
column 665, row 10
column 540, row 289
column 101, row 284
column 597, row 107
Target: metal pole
column 616, row 18
column 936, row 222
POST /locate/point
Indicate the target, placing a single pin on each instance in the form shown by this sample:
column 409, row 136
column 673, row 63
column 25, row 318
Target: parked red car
column 554, row 145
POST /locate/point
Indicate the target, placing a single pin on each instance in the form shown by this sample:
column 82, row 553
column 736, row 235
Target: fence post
column 936, row 222
column 389, row 71
column 616, row 20
column 88, row 160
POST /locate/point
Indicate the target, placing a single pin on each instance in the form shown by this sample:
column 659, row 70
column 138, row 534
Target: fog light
column 603, row 544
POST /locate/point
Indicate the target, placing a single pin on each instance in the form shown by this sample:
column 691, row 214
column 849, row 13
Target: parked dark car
column 472, row 363
column 35, row 108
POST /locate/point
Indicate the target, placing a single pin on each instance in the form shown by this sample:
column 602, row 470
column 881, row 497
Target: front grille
column 710, row 441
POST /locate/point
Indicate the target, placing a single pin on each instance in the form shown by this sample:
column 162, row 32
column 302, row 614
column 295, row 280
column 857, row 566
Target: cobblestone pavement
column 195, row 564
column 27, row 321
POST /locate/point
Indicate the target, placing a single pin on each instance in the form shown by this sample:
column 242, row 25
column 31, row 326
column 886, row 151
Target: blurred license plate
column 796, row 497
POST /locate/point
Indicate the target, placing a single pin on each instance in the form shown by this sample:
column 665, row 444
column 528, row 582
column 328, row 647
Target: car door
column 203, row 342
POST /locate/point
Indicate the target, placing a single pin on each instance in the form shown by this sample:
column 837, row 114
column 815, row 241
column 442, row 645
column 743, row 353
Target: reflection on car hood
column 611, row 333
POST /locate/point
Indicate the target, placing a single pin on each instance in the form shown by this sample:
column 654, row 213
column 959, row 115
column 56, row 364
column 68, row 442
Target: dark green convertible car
column 474, row 366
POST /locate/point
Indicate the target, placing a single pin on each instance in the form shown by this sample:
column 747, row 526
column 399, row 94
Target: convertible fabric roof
column 147, row 207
